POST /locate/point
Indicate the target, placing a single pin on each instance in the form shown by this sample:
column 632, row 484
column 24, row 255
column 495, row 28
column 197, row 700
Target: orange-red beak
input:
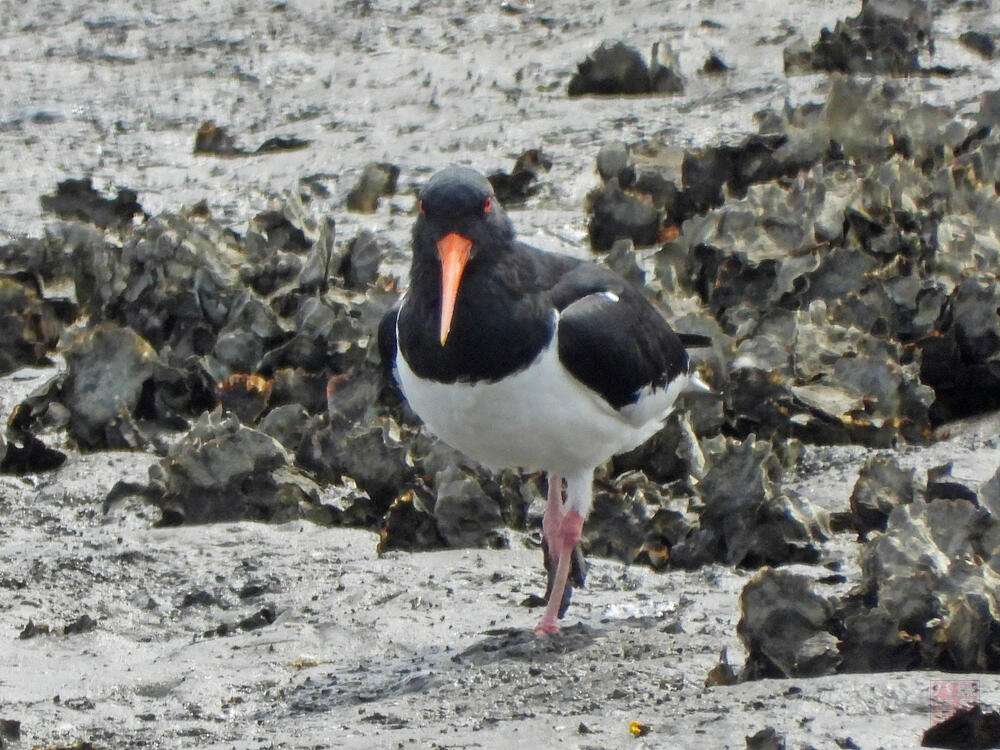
column 453, row 250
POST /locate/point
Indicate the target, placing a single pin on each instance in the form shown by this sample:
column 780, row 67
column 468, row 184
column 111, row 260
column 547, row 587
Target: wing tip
column 694, row 340
column 697, row 386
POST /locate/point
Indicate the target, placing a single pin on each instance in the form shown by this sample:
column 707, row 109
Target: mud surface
column 295, row 635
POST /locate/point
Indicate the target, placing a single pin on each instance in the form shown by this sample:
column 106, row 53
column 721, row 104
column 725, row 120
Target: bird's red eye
column 488, row 204
column 420, row 205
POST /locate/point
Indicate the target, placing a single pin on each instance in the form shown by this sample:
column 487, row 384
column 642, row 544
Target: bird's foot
column 547, row 625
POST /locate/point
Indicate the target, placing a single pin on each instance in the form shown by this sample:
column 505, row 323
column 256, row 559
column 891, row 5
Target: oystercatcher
column 523, row 358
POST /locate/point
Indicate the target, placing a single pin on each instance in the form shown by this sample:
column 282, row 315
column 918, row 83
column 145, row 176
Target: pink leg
column 561, row 548
column 552, row 520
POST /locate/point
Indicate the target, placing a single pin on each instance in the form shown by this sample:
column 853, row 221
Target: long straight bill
column 453, row 250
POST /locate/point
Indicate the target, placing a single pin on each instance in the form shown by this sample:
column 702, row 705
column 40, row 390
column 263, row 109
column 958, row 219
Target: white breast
column 540, row 418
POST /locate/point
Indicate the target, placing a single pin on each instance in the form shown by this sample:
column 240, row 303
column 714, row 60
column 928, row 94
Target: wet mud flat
column 430, row 648
column 220, row 530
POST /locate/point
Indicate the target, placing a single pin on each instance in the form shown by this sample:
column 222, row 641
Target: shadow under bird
column 523, row 358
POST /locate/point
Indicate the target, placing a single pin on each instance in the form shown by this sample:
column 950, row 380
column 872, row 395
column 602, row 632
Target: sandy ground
column 406, row 650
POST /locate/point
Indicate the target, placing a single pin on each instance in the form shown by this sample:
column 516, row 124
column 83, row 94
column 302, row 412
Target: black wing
column 694, row 340
column 387, row 343
column 612, row 339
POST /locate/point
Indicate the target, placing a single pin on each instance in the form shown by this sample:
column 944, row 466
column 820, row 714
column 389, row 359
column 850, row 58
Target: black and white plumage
column 524, row 358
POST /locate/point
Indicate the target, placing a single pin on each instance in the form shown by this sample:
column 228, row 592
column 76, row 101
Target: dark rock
column 281, row 233
column 612, row 159
column 722, row 673
column 215, row 139
column 621, row 259
column 376, row 180
column 786, row 628
column 259, row 619
column 611, row 69
column 883, row 48
column 239, row 350
column 664, row 70
column 40, row 410
column 617, row 216
column 616, row 526
column 532, row 160
column 972, row 313
column 669, row 530
column 34, row 262
column 321, row 328
column 513, row 494
column 222, row 470
column 107, row 369
column 941, row 485
column 747, row 520
column 967, row 729
column 666, row 196
column 30, row 457
column 714, row 65
column 522, row 183
column 289, row 424
column 246, row 396
column 989, row 495
column 409, row 525
column 352, row 396
column 959, row 365
column 199, row 598
column 252, row 590
column 884, row 38
column 176, row 283
column 77, row 199
column 31, row 629
column 282, row 143
column 704, row 175
column 271, row 269
column 218, row 453
column 875, row 643
column 817, row 280
column 989, row 109
column 928, row 595
column 766, row 739
column 320, row 262
column 465, row 515
column 666, row 456
column 82, row 624
column 296, row 386
column 30, row 324
column 706, row 172
column 367, row 454
column 360, row 264
column 10, row 729
column 881, row 486
column 640, row 200
column 979, row 42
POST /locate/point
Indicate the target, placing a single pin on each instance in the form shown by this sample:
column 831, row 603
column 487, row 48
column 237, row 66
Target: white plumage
column 538, row 419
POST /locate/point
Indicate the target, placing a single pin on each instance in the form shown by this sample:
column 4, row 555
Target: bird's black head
column 461, row 229
column 460, row 200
